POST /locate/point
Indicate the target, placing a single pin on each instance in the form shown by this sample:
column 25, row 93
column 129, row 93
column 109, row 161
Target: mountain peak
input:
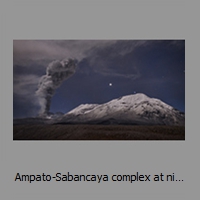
column 135, row 97
column 130, row 109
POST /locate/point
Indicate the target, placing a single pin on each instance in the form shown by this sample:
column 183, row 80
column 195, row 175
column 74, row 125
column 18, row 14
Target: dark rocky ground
column 97, row 132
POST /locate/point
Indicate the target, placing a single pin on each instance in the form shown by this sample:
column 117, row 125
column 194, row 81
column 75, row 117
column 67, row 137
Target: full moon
column 110, row 84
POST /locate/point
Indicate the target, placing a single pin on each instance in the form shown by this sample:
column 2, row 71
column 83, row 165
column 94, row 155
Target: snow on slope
column 82, row 109
column 130, row 109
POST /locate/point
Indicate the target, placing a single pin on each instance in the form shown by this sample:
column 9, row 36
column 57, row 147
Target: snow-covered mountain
column 130, row 109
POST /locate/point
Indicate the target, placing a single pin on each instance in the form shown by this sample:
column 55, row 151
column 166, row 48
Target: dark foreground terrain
column 97, row 132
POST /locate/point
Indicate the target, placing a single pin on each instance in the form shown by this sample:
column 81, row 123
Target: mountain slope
column 130, row 109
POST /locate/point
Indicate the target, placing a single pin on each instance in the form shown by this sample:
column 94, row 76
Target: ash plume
column 56, row 73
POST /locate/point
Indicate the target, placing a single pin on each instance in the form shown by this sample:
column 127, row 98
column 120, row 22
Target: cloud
column 132, row 76
column 44, row 51
column 117, row 59
column 99, row 53
column 25, row 85
column 57, row 72
column 24, row 98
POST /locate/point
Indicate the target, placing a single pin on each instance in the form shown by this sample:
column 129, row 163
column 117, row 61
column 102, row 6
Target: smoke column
column 56, row 72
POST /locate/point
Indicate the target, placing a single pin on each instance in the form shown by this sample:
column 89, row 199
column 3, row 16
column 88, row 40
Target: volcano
column 136, row 109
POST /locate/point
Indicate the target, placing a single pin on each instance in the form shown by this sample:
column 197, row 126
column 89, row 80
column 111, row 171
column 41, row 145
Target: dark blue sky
column 153, row 67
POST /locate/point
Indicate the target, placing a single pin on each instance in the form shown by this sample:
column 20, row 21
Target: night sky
column 106, row 69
